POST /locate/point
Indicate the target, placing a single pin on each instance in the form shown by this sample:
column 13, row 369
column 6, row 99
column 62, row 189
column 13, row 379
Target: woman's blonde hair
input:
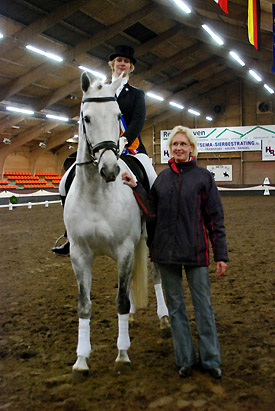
column 112, row 62
column 184, row 130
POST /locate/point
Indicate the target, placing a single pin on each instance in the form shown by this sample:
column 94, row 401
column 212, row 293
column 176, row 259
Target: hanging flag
column 273, row 38
column 254, row 17
column 223, row 5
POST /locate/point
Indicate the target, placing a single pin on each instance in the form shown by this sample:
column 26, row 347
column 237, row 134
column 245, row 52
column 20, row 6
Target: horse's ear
column 115, row 84
column 85, row 81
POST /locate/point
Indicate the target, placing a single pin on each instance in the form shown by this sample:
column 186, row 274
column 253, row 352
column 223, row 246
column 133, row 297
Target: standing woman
column 185, row 203
column 131, row 101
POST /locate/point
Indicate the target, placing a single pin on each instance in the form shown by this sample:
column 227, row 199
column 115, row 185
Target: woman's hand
column 128, row 179
column 220, row 268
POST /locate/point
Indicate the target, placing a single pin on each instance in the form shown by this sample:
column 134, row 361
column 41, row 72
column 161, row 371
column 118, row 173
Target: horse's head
column 100, row 125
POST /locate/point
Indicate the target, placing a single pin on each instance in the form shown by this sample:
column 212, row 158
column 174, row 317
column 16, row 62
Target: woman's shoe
column 215, row 372
column 63, row 249
column 185, row 371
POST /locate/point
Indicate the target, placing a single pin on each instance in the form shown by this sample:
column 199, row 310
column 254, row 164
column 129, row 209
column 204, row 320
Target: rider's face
column 121, row 64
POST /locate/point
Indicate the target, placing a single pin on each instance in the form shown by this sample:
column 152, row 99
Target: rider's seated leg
column 148, row 166
column 64, row 186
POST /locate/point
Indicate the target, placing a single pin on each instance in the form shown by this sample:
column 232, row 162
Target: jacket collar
column 191, row 163
column 122, row 86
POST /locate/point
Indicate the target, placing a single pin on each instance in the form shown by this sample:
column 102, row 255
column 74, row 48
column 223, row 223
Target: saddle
column 132, row 162
column 137, row 169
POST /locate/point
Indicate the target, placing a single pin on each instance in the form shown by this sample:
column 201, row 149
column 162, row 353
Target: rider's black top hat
column 123, row 51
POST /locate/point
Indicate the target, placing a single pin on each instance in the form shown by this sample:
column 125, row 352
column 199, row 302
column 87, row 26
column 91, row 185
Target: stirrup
column 59, row 238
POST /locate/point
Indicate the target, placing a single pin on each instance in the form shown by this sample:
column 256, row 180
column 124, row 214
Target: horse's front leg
column 82, row 262
column 125, row 268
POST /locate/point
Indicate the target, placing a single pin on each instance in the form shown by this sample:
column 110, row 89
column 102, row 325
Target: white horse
column 102, row 216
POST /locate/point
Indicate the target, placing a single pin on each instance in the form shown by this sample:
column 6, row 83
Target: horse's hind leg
column 162, row 310
column 82, row 262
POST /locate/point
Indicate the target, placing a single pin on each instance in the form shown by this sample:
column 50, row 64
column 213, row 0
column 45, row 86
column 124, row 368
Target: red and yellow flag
column 223, row 5
column 254, row 17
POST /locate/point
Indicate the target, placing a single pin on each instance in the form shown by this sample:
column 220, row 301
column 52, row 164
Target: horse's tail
column 140, row 275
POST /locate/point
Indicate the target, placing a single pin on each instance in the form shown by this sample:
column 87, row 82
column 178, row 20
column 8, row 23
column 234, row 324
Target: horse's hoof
column 165, row 329
column 122, row 367
column 79, row 376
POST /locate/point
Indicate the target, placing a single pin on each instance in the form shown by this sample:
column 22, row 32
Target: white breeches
column 62, row 190
column 148, row 166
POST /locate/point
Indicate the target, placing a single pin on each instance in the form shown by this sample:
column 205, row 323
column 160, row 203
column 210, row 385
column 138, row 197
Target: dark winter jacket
column 186, row 205
column 131, row 102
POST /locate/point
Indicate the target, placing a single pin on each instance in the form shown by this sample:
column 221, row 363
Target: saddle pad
column 137, row 169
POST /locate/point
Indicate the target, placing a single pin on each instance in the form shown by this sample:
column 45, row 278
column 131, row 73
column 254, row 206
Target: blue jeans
column 199, row 284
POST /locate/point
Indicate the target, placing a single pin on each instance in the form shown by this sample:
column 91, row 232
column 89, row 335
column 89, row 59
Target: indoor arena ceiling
column 176, row 58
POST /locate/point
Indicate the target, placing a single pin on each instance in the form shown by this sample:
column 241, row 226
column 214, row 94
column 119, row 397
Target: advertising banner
column 221, row 139
column 268, row 150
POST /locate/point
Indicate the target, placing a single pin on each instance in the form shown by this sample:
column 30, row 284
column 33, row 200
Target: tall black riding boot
column 63, row 249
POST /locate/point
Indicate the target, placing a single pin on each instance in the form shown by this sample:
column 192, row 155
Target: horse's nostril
column 102, row 173
column 109, row 175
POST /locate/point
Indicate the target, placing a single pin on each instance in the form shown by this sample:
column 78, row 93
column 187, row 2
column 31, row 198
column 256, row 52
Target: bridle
column 105, row 145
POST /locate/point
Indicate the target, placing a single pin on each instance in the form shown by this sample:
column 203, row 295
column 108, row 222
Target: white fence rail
column 10, row 206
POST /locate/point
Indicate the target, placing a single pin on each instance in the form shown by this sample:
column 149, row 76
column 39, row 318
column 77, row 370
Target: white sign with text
column 221, row 139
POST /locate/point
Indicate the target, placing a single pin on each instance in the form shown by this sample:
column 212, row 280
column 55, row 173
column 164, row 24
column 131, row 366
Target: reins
column 105, row 145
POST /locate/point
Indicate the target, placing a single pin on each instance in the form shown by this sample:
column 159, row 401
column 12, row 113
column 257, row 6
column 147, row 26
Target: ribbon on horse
column 134, row 147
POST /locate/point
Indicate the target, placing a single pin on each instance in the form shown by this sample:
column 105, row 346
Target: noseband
column 105, row 145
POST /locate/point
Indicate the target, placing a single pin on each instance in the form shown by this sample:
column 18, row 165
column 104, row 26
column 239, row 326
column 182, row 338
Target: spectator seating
column 20, row 180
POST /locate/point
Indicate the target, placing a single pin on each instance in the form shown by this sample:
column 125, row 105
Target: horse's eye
column 87, row 119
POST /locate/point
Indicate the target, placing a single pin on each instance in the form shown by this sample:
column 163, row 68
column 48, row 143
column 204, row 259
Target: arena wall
column 239, row 103
column 239, row 107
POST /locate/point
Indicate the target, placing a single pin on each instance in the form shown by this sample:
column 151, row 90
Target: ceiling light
column 6, row 141
column 172, row 103
column 269, row 89
column 57, row 117
column 19, row 110
column 196, row 113
column 15, row 127
column 76, row 136
column 209, row 118
column 1, row 35
column 237, row 58
column 155, row 96
column 43, row 145
column 214, row 36
column 95, row 73
column 71, row 147
column 44, row 53
column 255, row 75
column 183, row 6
